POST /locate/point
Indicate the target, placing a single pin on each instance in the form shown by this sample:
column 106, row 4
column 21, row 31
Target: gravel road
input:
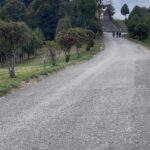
column 101, row 104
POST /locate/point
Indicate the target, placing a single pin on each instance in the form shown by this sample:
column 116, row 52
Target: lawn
column 34, row 67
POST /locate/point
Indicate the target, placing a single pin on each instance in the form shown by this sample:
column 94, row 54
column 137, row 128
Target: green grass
column 145, row 43
column 34, row 67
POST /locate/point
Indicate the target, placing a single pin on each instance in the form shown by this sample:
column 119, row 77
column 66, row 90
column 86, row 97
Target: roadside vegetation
column 38, row 37
column 138, row 25
column 35, row 67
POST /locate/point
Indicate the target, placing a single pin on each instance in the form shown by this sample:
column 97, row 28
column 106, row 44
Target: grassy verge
column 34, row 68
column 145, row 43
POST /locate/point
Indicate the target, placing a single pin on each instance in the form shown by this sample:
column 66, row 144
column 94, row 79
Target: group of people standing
column 117, row 34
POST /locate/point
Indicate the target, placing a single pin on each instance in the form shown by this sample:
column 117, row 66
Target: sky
column 131, row 3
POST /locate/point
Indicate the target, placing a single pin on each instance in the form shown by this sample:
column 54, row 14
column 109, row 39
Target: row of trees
column 28, row 24
column 35, row 13
column 138, row 23
column 46, row 14
column 75, row 37
column 16, row 38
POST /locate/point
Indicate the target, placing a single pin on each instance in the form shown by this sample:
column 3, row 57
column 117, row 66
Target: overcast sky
column 131, row 3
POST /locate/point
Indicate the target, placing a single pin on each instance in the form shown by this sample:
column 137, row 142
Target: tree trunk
column 28, row 55
column 78, row 52
column 53, row 56
column 11, row 65
column 67, row 56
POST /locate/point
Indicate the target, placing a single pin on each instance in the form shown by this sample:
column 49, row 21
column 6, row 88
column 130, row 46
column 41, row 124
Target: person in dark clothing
column 120, row 34
column 113, row 34
column 117, row 34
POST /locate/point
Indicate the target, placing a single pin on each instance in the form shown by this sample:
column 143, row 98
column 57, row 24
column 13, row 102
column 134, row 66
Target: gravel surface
column 101, row 104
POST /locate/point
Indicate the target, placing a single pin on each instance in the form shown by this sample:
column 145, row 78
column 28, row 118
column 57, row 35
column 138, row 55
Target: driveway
column 101, row 104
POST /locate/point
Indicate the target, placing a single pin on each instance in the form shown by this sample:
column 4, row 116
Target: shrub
column 141, row 31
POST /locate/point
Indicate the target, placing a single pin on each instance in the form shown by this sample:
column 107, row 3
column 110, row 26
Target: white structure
column 102, row 7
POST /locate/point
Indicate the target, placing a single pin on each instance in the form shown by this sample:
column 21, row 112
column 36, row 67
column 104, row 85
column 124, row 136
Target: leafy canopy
column 125, row 10
column 13, row 35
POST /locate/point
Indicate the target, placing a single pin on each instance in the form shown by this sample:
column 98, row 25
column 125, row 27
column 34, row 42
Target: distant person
column 120, row 34
column 113, row 34
column 117, row 34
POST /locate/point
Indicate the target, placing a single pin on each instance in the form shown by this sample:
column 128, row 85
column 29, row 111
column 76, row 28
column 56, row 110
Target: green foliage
column 82, row 8
column 131, row 24
column 110, row 11
column 46, row 14
column 64, row 24
column 80, row 36
column 39, row 36
column 47, row 19
column 51, row 16
column 139, row 23
column 90, row 39
column 75, row 37
column 65, row 8
column 136, row 11
column 12, row 36
column 66, row 40
column 2, row 2
column 141, row 31
column 94, row 25
column 27, row 2
column 84, row 15
column 13, row 10
column 35, row 41
column 33, row 68
column 52, row 46
column 125, row 10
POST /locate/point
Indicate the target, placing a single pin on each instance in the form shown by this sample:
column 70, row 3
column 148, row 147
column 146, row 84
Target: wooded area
column 26, row 25
column 138, row 23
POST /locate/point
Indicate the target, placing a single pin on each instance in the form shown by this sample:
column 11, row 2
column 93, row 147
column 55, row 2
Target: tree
column 94, row 25
column 111, row 11
column 90, row 39
column 125, row 10
column 75, row 37
column 65, row 8
column 2, row 2
column 136, row 11
column 51, row 45
column 38, row 33
column 12, row 38
column 80, row 38
column 142, row 30
column 27, row 2
column 66, row 40
column 64, row 24
column 131, row 24
column 84, row 15
column 35, row 41
column 139, row 23
column 13, row 10
column 45, row 15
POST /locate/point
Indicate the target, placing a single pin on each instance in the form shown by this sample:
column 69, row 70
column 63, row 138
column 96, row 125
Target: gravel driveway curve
column 101, row 104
